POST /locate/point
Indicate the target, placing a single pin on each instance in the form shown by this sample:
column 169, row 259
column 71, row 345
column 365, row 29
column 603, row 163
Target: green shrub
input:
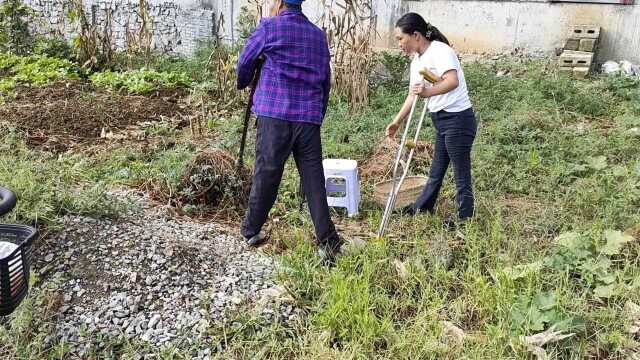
column 141, row 81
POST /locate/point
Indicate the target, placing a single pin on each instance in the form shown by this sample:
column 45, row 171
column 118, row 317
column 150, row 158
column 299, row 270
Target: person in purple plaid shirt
column 290, row 102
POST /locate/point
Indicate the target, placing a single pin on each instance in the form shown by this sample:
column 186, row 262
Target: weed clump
column 380, row 165
column 212, row 181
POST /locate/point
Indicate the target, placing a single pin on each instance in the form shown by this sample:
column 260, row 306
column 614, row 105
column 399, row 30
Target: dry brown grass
column 138, row 42
column 379, row 165
column 213, row 185
column 350, row 29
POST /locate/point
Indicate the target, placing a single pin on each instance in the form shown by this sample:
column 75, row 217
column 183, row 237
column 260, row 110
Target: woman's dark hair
column 410, row 23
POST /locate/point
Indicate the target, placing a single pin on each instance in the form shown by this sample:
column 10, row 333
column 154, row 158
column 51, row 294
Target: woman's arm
column 448, row 83
column 392, row 128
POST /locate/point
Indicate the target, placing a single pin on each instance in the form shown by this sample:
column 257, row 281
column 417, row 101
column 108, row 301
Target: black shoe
column 257, row 239
column 454, row 222
column 328, row 255
column 329, row 251
column 407, row 210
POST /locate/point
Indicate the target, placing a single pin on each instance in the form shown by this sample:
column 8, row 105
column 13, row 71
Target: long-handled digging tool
column 402, row 158
column 247, row 116
column 223, row 178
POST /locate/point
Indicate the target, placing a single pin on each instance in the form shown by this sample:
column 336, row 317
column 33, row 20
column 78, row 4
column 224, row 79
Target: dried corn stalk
column 94, row 47
column 350, row 28
column 86, row 42
column 139, row 41
column 217, row 95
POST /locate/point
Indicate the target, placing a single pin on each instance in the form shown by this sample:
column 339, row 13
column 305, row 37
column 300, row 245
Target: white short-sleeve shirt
column 440, row 58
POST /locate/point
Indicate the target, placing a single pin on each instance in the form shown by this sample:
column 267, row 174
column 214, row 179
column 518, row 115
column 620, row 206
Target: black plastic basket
column 14, row 267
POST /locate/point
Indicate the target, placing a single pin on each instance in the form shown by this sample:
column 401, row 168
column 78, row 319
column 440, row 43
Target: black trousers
column 276, row 140
column 455, row 133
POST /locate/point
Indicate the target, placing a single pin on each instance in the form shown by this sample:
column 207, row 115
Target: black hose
column 7, row 200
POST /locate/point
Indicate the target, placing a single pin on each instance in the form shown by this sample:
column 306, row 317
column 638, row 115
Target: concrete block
column 588, row 45
column 570, row 58
column 580, row 72
column 584, row 31
column 567, row 71
column 572, row 44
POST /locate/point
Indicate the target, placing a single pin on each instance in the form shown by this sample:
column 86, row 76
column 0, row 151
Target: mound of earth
column 79, row 111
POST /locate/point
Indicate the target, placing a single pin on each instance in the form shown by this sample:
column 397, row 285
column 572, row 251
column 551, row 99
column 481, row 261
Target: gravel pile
column 155, row 278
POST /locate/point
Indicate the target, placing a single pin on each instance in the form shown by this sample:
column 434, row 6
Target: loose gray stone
column 153, row 322
column 153, row 278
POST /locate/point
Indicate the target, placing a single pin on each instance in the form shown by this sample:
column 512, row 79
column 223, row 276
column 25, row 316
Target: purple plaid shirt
column 295, row 78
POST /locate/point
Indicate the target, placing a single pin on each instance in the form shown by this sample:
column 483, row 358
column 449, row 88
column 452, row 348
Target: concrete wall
column 496, row 26
column 472, row 25
column 177, row 25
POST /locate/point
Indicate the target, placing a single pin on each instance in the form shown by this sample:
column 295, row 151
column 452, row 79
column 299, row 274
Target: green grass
column 195, row 66
column 556, row 172
column 553, row 155
column 50, row 186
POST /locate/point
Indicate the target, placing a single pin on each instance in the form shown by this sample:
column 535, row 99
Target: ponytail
column 411, row 23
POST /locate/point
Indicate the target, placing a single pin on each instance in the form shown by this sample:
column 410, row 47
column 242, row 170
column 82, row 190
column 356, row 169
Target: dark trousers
column 455, row 133
column 276, row 140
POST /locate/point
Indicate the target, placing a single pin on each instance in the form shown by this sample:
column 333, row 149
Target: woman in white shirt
column 449, row 107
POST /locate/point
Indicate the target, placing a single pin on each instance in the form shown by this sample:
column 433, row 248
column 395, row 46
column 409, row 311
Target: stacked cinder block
column 579, row 50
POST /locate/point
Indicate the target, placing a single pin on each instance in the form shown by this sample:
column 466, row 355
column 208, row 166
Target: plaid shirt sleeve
column 249, row 58
column 326, row 85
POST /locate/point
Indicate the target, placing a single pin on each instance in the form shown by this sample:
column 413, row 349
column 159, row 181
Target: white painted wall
column 495, row 26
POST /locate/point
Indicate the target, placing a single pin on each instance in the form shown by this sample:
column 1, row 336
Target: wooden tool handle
column 429, row 76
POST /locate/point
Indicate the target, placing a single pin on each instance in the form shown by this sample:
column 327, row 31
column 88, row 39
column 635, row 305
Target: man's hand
column 392, row 128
